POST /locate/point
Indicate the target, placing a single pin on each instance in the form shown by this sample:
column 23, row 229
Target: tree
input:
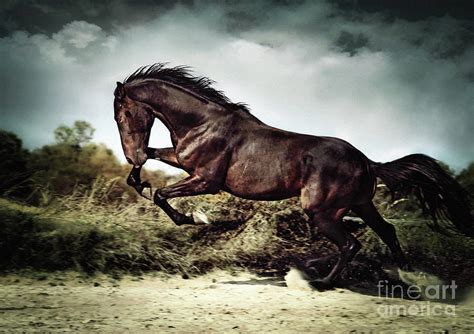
column 60, row 167
column 78, row 135
column 447, row 168
column 466, row 177
column 13, row 165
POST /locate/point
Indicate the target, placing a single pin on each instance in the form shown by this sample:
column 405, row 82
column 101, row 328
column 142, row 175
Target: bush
column 79, row 232
column 14, row 175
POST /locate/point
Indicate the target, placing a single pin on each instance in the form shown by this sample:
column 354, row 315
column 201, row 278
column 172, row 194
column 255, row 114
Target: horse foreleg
column 134, row 181
column 191, row 186
column 177, row 217
column 166, row 155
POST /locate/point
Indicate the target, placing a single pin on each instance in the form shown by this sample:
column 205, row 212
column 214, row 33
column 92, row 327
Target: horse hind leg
column 329, row 224
column 384, row 230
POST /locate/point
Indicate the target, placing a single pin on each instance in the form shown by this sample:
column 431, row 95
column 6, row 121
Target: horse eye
column 128, row 114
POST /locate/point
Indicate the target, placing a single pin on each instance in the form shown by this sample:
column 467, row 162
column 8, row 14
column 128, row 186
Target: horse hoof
column 321, row 284
column 200, row 218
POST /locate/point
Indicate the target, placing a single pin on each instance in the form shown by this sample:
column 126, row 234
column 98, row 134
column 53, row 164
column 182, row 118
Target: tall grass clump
column 83, row 231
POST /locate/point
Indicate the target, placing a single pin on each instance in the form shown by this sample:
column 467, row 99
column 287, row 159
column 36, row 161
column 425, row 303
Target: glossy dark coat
column 223, row 147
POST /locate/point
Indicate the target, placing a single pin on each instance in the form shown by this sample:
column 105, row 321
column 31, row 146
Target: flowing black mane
column 180, row 76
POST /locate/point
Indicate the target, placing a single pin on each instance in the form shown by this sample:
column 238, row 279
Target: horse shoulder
column 206, row 147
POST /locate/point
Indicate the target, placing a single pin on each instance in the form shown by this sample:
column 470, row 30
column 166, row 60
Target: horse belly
column 263, row 181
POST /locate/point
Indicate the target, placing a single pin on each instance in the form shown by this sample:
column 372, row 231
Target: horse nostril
column 129, row 160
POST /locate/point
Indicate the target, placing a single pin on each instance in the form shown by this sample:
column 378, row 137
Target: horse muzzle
column 138, row 159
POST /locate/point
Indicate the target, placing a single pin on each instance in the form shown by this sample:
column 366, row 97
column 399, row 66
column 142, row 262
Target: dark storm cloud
column 49, row 16
column 351, row 43
column 409, row 10
column 391, row 80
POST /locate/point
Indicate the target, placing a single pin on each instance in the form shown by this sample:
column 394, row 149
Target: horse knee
column 209, row 187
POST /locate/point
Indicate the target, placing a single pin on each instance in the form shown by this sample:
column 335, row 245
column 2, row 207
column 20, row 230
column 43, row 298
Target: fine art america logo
column 434, row 300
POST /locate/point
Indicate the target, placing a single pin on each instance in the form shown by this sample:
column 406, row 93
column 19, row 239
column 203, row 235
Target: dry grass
column 85, row 232
column 80, row 231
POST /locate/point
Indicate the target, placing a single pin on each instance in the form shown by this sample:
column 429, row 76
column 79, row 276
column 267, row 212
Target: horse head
column 134, row 121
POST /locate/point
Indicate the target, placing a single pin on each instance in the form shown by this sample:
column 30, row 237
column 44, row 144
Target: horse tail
column 439, row 193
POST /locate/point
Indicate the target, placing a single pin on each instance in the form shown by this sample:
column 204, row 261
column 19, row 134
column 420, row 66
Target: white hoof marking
column 200, row 218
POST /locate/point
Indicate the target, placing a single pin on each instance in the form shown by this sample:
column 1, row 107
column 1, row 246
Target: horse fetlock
column 351, row 249
column 158, row 198
column 185, row 221
column 322, row 284
column 131, row 181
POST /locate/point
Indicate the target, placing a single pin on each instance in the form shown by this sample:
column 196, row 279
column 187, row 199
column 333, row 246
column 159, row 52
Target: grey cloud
column 351, row 43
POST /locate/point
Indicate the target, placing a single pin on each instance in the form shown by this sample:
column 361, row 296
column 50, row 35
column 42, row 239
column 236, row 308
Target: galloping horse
column 222, row 146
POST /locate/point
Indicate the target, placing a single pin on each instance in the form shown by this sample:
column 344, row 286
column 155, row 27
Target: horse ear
column 120, row 92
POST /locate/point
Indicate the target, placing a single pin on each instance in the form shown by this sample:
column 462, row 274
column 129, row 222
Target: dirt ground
column 218, row 302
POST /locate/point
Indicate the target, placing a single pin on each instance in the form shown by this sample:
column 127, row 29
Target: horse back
column 268, row 163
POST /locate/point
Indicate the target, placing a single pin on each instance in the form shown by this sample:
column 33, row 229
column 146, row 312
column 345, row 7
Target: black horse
column 222, row 146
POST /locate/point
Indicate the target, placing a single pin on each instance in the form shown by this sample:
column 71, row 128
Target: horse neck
column 179, row 109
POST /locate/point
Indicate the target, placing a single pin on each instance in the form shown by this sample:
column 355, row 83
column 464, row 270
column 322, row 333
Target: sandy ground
column 215, row 303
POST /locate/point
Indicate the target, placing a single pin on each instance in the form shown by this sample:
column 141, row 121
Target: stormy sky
column 390, row 77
